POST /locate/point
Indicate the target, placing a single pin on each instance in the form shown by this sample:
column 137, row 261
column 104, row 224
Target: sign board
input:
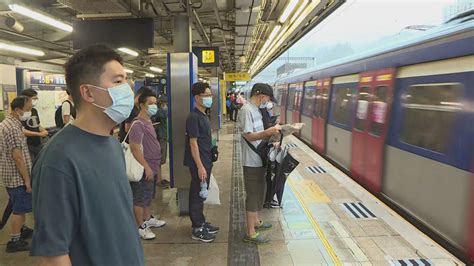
column 207, row 56
column 239, row 76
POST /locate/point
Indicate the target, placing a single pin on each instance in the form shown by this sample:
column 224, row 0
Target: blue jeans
column 21, row 200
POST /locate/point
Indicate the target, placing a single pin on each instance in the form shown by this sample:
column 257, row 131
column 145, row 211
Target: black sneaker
column 203, row 235
column 17, row 246
column 211, row 229
column 26, row 232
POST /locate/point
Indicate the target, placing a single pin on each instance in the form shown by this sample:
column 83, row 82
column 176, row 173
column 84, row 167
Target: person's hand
column 28, row 187
column 202, row 173
column 272, row 130
column 44, row 134
column 148, row 173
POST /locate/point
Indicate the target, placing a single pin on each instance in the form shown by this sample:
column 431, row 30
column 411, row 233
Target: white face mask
column 269, row 106
column 35, row 102
column 25, row 116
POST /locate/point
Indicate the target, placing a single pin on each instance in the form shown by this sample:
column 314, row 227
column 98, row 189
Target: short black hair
column 30, row 93
column 141, row 90
column 86, row 66
column 19, row 102
column 144, row 95
column 199, row 88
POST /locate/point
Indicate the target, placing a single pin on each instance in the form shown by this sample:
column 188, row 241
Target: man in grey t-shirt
column 251, row 126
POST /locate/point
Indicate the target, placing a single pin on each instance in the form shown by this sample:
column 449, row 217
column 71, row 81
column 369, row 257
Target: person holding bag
column 146, row 150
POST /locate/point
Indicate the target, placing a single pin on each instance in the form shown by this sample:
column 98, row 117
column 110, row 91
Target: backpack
column 58, row 115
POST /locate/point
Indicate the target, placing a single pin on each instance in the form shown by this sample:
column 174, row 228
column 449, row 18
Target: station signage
column 238, row 76
column 42, row 81
column 207, row 56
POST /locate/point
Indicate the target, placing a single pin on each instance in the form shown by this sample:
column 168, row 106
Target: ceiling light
column 129, row 71
column 20, row 49
column 40, row 17
column 128, row 51
column 156, row 69
column 289, row 8
column 298, row 11
column 274, row 32
column 149, row 75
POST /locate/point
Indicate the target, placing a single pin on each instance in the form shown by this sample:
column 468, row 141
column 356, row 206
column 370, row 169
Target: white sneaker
column 153, row 222
column 146, row 233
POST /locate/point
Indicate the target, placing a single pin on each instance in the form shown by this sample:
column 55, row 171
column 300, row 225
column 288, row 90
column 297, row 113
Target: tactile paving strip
column 358, row 210
column 240, row 253
column 291, row 145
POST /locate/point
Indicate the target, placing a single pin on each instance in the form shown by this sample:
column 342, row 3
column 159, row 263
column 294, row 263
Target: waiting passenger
column 252, row 128
column 146, row 150
column 161, row 129
column 33, row 129
column 197, row 156
column 15, row 168
column 82, row 199
column 125, row 125
column 68, row 110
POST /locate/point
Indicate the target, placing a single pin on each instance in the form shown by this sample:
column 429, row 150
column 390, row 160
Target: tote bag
column 134, row 168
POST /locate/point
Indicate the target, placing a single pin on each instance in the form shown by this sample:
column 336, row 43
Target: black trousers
column 196, row 203
column 236, row 114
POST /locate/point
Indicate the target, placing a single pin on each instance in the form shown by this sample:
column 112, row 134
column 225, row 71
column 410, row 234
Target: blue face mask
column 152, row 109
column 263, row 105
column 122, row 102
column 207, row 102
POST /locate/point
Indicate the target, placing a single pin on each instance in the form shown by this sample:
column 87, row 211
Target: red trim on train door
column 359, row 127
column 378, row 122
column 284, row 98
column 297, row 106
column 320, row 115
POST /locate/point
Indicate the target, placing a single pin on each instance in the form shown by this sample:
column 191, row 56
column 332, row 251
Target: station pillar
column 182, row 74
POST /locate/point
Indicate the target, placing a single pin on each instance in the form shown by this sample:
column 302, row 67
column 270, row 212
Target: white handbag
column 134, row 168
column 213, row 192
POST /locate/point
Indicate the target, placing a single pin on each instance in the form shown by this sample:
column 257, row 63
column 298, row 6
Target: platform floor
column 314, row 227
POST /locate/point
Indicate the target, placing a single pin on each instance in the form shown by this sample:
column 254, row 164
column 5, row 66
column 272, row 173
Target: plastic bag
column 213, row 193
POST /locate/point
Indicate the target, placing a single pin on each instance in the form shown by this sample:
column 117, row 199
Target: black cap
column 263, row 88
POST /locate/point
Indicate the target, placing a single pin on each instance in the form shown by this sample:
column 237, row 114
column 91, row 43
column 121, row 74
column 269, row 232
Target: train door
column 290, row 106
column 297, row 105
column 370, row 126
column 308, row 113
column 284, row 97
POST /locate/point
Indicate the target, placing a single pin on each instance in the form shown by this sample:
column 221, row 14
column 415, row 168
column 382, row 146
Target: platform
column 326, row 219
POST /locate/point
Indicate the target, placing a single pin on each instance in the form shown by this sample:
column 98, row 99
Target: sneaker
column 146, row 233
column 263, row 226
column 203, row 235
column 257, row 239
column 274, row 204
column 153, row 222
column 163, row 184
column 17, row 246
column 26, row 232
column 211, row 229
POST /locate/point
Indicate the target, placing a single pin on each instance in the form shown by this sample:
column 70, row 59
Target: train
column 400, row 121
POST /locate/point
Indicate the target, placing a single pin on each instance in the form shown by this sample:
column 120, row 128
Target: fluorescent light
column 156, row 69
column 129, row 71
column 298, row 11
column 40, row 17
column 20, row 49
column 149, row 75
column 128, row 51
column 274, row 32
column 289, row 8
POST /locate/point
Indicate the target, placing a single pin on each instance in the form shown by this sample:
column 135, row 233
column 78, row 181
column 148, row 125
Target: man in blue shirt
column 197, row 156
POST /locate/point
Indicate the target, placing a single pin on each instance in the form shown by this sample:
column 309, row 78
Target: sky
column 361, row 23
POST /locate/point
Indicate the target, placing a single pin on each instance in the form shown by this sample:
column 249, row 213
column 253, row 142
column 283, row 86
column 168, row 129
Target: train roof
column 451, row 28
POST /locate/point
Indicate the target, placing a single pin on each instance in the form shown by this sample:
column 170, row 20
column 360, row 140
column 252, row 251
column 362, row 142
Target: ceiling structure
column 249, row 33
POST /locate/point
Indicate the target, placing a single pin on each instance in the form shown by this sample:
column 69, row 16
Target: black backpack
column 58, row 115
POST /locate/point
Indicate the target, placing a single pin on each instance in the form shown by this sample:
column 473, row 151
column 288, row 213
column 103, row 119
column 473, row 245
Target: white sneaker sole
column 147, row 238
column 156, row 226
column 203, row 240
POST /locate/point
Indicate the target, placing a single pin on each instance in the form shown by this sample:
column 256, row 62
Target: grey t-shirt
column 82, row 201
column 250, row 120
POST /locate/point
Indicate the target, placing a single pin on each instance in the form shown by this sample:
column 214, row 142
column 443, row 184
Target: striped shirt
column 12, row 137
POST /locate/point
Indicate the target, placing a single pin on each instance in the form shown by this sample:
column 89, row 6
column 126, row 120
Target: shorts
column 143, row 192
column 20, row 199
column 254, row 188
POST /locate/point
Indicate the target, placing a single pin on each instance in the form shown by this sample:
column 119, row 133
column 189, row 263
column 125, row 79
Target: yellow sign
column 208, row 56
column 239, row 76
column 385, row 77
column 366, row 79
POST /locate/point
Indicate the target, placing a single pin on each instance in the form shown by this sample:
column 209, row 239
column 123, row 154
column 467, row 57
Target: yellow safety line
column 316, row 226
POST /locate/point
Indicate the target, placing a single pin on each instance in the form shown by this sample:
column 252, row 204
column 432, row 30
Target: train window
column 324, row 103
column 291, row 98
column 342, row 106
column 429, row 114
column 309, row 100
column 378, row 110
column 362, row 109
